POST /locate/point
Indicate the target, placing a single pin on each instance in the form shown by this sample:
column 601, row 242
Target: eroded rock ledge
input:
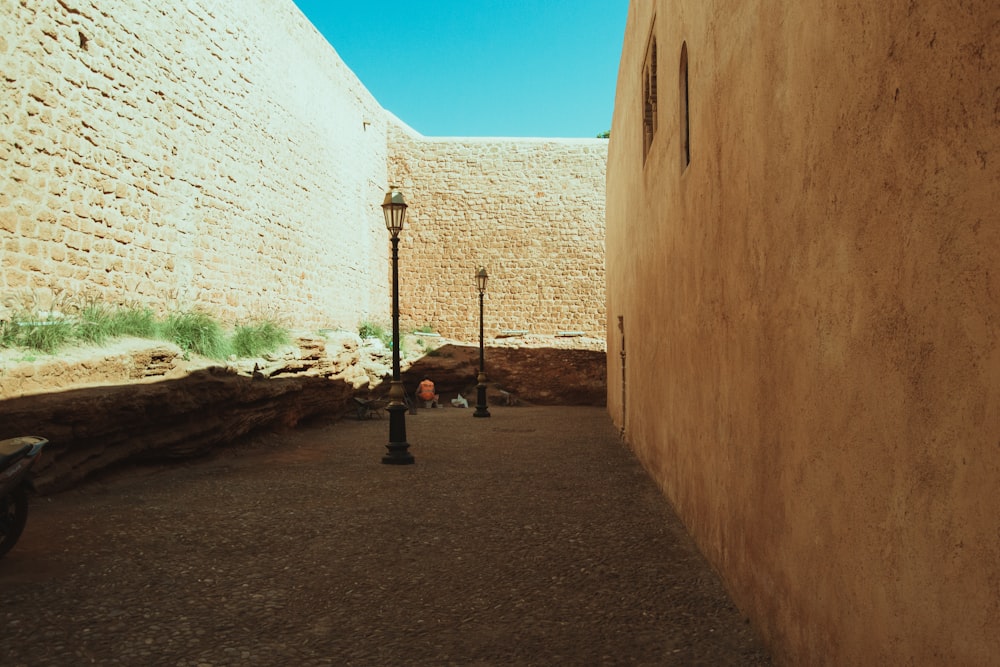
column 139, row 401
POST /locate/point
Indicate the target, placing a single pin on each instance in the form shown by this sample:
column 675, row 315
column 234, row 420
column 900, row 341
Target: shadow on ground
column 529, row 538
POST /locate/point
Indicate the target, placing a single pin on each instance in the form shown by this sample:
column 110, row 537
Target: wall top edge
column 413, row 134
column 540, row 140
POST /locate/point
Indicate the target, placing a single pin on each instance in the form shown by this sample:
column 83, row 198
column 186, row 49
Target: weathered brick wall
column 530, row 210
column 202, row 153
column 220, row 155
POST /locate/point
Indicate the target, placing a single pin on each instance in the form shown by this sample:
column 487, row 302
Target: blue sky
column 491, row 68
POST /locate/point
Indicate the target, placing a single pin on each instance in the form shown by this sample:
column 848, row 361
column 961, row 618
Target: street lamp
column 394, row 209
column 481, row 410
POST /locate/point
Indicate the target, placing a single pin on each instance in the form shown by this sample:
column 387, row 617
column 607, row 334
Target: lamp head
column 481, row 279
column 394, row 209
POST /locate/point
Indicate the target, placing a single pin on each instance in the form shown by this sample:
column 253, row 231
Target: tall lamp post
column 394, row 209
column 481, row 410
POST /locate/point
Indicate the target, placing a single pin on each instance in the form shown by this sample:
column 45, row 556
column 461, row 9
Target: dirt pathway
column 530, row 538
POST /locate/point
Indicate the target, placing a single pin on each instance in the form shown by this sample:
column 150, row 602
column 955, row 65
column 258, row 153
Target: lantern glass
column 394, row 209
column 481, row 279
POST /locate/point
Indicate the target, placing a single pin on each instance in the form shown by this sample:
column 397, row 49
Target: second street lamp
column 394, row 209
column 481, row 410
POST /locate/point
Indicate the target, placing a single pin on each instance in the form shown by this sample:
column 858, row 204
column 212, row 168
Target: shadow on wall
column 536, row 376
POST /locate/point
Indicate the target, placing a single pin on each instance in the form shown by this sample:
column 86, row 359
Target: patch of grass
column 93, row 324
column 375, row 330
column 98, row 322
column 197, row 332
column 134, row 321
column 8, row 333
column 90, row 321
column 367, row 329
column 258, row 338
column 43, row 333
column 46, row 335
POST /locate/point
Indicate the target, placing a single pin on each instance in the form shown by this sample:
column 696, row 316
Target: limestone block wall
column 202, row 153
column 218, row 155
column 810, row 358
column 530, row 210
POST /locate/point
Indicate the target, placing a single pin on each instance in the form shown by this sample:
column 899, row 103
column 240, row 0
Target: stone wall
column 529, row 210
column 218, row 155
column 202, row 153
column 810, row 361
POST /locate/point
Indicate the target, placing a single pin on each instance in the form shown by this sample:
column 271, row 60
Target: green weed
column 257, row 339
column 93, row 322
column 45, row 333
column 8, row 333
column 374, row 330
column 197, row 332
column 135, row 321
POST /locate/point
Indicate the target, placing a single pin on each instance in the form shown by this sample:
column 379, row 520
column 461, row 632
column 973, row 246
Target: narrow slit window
column 685, row 110
column 649, row 98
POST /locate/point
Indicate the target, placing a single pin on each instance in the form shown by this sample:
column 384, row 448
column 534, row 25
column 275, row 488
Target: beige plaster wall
column 530, row 210
column 203, row 153
column 812, row 370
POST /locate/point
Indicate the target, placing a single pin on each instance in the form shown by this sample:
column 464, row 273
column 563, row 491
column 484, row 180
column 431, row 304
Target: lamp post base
column 481, row 409
column 398, row 454
column 398, row 447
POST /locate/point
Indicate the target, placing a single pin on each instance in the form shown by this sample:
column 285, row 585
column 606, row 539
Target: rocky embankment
column 141, row 401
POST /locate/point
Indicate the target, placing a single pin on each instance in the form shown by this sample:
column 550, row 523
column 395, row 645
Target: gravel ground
column 530, row 538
